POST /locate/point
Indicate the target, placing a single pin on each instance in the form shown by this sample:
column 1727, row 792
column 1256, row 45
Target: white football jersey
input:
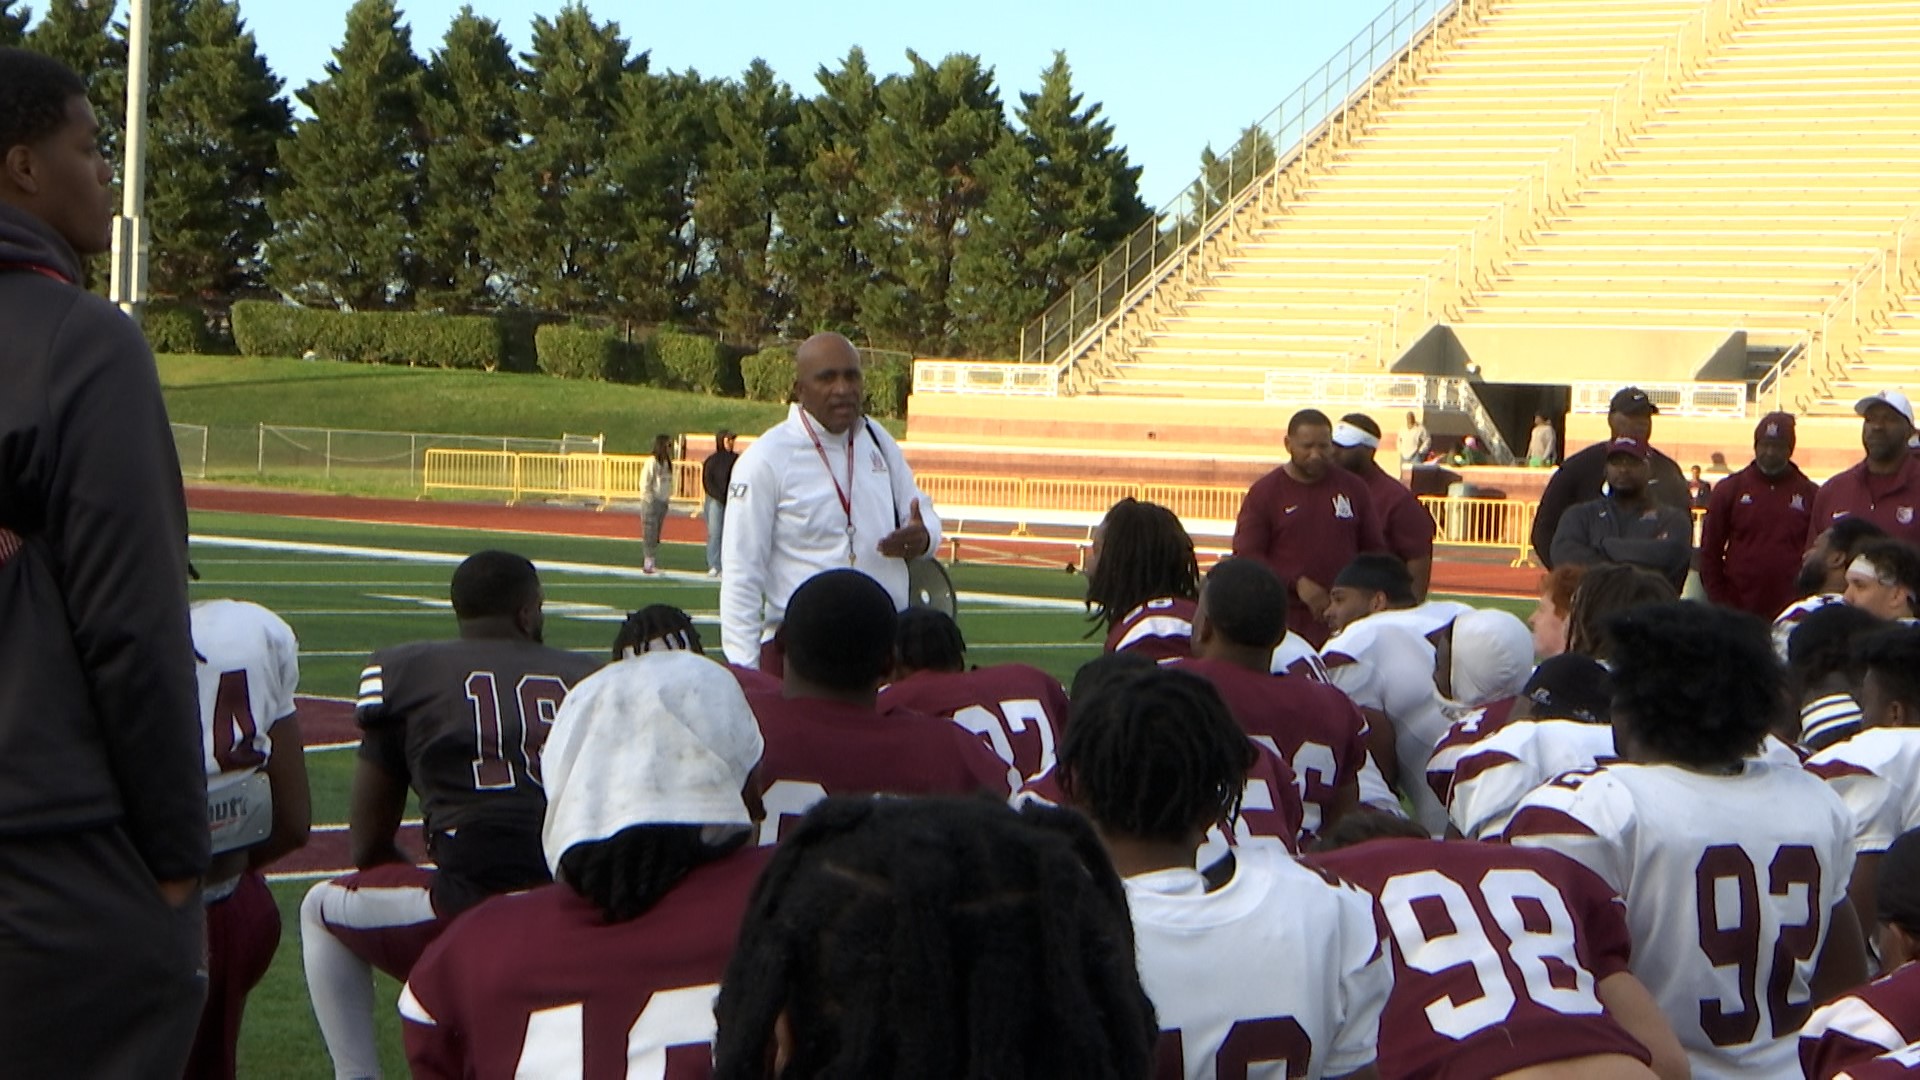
column 1877, row 774
column 249, row 668
column 1388, row 668
column 1484, row 770
column 1785, row 623
column 1725, row 878
column 1281, row 966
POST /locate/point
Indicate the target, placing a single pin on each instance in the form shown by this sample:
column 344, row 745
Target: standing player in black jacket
column 1579, row 478
column 103, row 795
column 462, row 723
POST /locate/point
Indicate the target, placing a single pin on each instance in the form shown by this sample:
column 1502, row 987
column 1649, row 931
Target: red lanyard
column 845, row 495
column 43, row 271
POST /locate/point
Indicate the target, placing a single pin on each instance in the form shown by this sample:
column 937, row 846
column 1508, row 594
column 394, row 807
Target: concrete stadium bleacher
column 1680, row 191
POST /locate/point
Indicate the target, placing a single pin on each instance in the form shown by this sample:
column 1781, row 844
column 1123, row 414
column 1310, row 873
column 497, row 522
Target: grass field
column 345, row 603
column 239, row 392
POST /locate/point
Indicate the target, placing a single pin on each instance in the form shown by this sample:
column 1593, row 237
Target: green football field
column 348, row 588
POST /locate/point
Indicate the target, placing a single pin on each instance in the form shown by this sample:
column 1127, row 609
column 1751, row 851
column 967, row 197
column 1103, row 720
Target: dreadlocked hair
column 937, row 939
column 1697, row 685
column 627, row 873
column 925, row 639
column 654, row 628
column 1607, row 589
column 1154, row 754
column 1145, row 554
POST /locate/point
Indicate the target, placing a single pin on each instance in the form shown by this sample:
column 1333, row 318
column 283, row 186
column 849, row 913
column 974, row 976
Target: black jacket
column 716, row 473
column 99, row 710
column 1661, row 539
column 1579, row 480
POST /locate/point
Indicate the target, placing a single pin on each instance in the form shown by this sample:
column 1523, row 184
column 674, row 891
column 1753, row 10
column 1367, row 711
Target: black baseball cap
column 1898, row 889
column 1631, row 400
column 1571, row 687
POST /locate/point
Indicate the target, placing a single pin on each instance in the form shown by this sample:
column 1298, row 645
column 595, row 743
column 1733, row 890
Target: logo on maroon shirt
column 1904, row 515
column 1799, row 501
column 1342, row 506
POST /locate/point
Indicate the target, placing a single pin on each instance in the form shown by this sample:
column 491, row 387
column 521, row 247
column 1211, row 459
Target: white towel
column 663, row 738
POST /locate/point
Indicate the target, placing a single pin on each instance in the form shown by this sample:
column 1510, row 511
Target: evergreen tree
column 660, row 158
column 1223, row 177
column 1058, row 199
column 13, row 23
column 558, row 223
column 471, row 119
column 819, row 255
column 346, row 217
column 938, row 124
column 78, row 34
column 216, row 117
column 749, row 168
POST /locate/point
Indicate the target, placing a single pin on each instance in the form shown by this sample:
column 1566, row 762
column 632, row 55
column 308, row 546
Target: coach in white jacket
column 823, row 489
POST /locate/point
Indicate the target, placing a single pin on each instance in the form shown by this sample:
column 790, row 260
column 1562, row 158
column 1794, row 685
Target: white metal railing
column 1846, row 321
column 1001, row 378
column 1473, row 263
column 1157, row 249
column 1673, row 398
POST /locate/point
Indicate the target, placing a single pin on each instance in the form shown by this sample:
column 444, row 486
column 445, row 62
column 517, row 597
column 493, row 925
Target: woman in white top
column 656, row 489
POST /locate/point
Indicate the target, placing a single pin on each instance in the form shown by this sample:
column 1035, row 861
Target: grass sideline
column 240, row 392
column 343, row 606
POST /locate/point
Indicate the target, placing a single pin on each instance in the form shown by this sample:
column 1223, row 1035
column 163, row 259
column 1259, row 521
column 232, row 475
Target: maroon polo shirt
column 1405, row 525
column 1753, row 538
column 1891, row 502
column 1307, row 531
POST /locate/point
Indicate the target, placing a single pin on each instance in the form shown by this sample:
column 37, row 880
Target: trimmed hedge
column 580, row 352
column 417, row 339
column 173, row 327
column 888, row 381
column 682, row 361
column 768, row 374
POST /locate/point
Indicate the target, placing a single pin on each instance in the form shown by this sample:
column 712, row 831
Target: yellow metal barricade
column 1080, row 496
column 1195, row 503
column 954, row 489
column 1489, row 523
column 469, row 470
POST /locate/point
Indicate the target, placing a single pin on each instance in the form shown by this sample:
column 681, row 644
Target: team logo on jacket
column 1799, row 502
column 879, row 463
column 1747, row 500
column 1904, row 515
column 1342, row 506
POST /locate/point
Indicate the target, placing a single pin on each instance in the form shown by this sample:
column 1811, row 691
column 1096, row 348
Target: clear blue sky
column 1172, row 75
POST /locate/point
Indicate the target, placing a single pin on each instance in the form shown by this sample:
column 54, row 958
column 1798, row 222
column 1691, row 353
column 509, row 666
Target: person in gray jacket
column 103, row 799
column 1627, row 524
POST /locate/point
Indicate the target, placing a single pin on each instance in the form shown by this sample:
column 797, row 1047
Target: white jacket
column 656, row 481
column 785, row 523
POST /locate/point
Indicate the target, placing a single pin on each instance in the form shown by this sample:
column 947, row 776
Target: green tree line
column 915, row 211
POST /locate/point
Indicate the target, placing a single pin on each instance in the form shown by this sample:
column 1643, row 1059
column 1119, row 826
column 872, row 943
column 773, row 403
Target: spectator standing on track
column 824, row 488
column 103, row 792
column 1580, row 478
column 1543, row 446
column 1405, row 525
column 1306, row 520
column 716, row 473
column 656, row 494
column 1415, row 442
column 1627, row 525
column 1754, row 535
column 1885, row 487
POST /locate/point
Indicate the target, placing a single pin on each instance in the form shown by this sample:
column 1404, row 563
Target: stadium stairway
column 1745, row 201
column 1310, row 287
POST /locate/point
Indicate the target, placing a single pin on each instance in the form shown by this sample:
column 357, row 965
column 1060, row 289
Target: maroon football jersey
column 539, row 984
column 463, row 723
column 816, row 748
column 1016, row 710
column 1496, row 956
column 1158, row 629
column 1313, row 726
column 1880, row 1016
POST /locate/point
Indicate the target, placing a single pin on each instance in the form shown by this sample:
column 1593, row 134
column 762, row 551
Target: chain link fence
column 369, row 462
